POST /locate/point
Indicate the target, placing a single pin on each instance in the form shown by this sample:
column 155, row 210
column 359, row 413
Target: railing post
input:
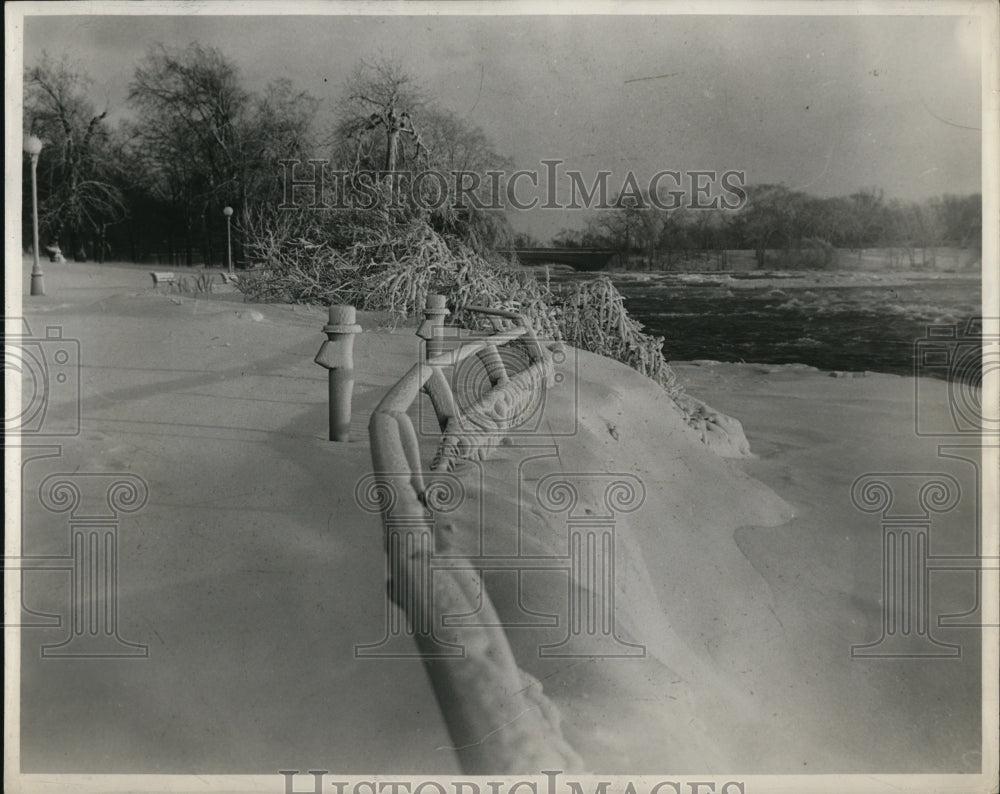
column 337, row 355
column 430, row 329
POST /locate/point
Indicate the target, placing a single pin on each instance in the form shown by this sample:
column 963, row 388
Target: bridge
column 579, row 258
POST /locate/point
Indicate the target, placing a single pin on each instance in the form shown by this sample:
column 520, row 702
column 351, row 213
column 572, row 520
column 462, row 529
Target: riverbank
column 851, row 321
column 252, row 573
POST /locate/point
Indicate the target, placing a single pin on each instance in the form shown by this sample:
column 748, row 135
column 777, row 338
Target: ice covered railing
column 498, row 719
column 474, row 421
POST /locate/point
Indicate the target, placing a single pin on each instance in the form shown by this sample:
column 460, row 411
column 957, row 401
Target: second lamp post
column 228, row 212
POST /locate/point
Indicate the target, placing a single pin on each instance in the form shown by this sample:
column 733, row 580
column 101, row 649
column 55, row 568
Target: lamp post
column 33, row 146
column 228, row 212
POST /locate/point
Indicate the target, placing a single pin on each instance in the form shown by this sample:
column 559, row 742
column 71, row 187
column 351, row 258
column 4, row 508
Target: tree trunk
column 188, row 243
column 77, row 246
column 206, row 237
column 391, row 145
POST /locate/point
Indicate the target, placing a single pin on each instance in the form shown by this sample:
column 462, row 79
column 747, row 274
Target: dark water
column 832, row 321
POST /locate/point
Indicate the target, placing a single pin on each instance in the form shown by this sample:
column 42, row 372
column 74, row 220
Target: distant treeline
column 787, row 228
column 195, row 141
column 153, row 187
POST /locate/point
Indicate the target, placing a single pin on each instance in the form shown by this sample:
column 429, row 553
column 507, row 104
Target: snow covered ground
column 251, row 573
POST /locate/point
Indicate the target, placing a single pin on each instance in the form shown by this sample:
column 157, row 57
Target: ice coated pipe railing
column 497, row 717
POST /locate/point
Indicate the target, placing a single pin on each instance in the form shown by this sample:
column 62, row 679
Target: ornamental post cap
column 435, row 305
column 342, row 320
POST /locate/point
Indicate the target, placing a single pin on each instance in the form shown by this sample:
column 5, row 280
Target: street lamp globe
column 227, row 211
column 33, row 145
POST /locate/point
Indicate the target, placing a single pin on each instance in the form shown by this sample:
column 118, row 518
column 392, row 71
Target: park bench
column 162, row 278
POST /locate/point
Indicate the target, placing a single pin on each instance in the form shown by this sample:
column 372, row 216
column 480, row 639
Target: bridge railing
column 579, row 258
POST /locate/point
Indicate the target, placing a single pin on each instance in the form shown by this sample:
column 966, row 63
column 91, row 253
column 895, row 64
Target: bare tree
column 387, row 124
column 79, row 165
column 207, row 142
column 867, row 218
column 190, row 103
column 379, row 96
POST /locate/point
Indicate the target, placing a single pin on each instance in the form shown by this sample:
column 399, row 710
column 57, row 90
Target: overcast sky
column 824, row 104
